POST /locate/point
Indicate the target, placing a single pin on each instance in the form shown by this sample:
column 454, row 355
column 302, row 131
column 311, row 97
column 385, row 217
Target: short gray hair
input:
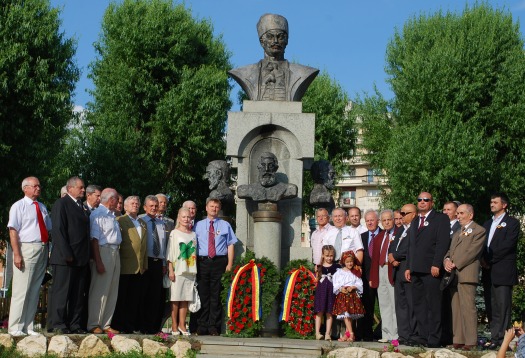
column 107, row 194
column 91, row 188
column 131, row 197
column 371, row 211
column 151, row 198
column 389, row 211
column 26, row 181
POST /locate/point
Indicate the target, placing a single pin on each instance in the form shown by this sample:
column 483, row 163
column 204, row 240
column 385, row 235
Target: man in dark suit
column 429, row 242
column 449, row 209
column 499, row 262
column 364, row 326
column 463, row 258
column 69, row 260
column 397, row 256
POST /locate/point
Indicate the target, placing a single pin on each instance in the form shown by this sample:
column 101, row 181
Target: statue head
column 267, row 167
column 273, row 35
column 323, row 173
column 217, row 171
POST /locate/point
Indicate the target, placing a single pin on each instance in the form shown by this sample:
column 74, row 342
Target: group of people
column 110, row 268
column 423, row 266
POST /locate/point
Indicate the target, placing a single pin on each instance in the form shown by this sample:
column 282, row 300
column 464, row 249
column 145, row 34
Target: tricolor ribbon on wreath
column 256, row 290
column 288, row 291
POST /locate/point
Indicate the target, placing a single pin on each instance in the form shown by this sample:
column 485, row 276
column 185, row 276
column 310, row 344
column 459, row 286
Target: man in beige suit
column 463, row 257
column 133, row 263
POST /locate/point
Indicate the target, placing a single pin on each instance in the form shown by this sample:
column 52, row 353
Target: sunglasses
column 426, row 200
column 403, row 214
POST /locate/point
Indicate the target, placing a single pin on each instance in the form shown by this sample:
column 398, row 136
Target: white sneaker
column 383, row 340
column 17, row 334
column 32, row 333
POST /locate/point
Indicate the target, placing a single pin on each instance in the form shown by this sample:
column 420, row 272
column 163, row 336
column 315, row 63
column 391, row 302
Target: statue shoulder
column 248, row 78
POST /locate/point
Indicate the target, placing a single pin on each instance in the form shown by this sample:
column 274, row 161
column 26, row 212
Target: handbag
column 195, row 305
column 166, row 282
column 449, row 280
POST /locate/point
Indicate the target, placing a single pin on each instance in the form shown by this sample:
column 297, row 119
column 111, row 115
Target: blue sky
column 346, row 38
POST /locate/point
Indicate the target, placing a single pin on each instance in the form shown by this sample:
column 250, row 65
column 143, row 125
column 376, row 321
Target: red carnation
column 244, row 310
column 295, row 295
column 231, row 328
column 305, row 291
column 297, row 287
column 263, row 270
column 242, row 282
column 244, row 319
column 237, row 331
column 243, row 275
column 248, row 289
column 249, row 324
column 308, row 318
column 312, row 298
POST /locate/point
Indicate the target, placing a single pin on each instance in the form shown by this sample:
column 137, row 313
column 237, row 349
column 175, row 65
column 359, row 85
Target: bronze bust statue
column 274, row 78
column 217, row 173
column 323, row 175
column 267, row 189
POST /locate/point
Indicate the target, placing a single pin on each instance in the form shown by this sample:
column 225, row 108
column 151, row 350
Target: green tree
column 160, row 101
column 37, row 78
column 334, row 129
column 455, row 127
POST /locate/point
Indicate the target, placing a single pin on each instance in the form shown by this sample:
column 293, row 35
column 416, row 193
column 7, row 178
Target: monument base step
column 219, row 347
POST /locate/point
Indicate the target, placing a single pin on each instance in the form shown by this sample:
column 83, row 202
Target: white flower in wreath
column 425, row 223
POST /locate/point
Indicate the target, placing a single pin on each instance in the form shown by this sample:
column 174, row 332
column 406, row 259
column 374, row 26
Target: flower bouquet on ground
column 297, row 305
column 249, row 291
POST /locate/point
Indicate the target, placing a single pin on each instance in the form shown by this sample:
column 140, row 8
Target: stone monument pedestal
column 267, row 232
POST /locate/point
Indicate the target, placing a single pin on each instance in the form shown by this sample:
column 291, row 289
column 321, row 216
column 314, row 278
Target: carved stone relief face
column 267, row 168
column 274, row 43
column 328, row 175
column 214, row 176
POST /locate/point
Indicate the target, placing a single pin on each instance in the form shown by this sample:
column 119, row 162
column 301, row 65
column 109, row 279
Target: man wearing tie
column 69, row 260
column 381, row 277
column 215, row 245
column 406, row 322
column 463, row 258
column 365, row 325
column 133, row 264
column 153, row 292
column 499, row 262
column 429, row 242
column 28, row 226
column 343, row 238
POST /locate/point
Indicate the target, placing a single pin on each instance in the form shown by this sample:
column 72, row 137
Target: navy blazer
column 501, row 254
column 399, row 249
column 70, row 233
column 429, row 244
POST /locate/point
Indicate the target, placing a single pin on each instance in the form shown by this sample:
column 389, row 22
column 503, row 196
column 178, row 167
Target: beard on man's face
column 267, row 179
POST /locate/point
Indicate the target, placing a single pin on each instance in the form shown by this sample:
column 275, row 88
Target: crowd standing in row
column 108, row 267
column 423, row 266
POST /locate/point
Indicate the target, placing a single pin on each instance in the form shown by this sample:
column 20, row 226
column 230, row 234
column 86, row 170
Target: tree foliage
column 37, row 78
column 334, row 130
column 160, row 101
column 455, row 127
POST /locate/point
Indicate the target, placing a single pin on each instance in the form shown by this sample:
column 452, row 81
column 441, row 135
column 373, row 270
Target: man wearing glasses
column 397, row 256
column 429, row 242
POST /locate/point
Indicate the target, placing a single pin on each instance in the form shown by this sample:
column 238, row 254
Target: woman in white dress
column 182, row 270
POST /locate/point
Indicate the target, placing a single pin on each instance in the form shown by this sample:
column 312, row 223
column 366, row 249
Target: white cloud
column 78, row 109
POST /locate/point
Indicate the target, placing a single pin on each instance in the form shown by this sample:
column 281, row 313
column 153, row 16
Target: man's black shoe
column 491, row 346
column 61, row 331
column 79, row 331
column 213, row 332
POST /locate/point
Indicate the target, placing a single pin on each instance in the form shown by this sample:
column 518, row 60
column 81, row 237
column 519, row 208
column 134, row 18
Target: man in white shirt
column 105, row 267
column 316, row 240
column 354, row 217
column 28, row 226
column 342, row 237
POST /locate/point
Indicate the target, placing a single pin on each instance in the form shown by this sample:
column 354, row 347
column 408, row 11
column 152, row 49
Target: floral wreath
column 249, row 291
column 297, row 306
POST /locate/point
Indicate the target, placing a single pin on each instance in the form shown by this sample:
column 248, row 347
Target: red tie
column 41, row 225
column 371, row 245
column 384, row 248
column 211, row 241
column 422, row 223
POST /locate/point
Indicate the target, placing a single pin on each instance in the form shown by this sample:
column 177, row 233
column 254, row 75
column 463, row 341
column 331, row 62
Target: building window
column 348, row 198
column 373, row 193
column 373, row 173
column 349, row 174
